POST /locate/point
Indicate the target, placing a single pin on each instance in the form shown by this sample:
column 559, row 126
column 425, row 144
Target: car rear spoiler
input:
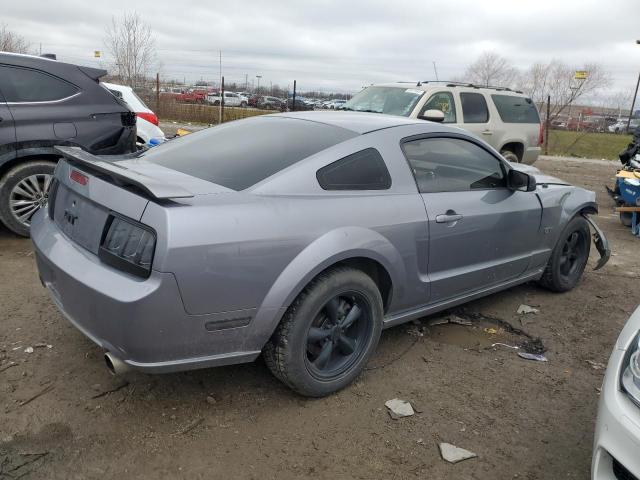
column 153, row 187
column 93, row 73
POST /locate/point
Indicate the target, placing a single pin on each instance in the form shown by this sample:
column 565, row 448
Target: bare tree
column 491, row 69
column 557, row 79
column 12, row 42
column 132, row 45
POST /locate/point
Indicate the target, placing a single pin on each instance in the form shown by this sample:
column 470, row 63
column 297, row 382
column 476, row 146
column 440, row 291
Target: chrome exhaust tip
column 115, row 365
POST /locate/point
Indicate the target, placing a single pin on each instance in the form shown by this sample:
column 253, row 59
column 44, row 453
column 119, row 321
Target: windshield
column 390, row 100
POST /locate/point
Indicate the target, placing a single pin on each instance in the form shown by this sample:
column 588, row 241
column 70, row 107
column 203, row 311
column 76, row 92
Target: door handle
column 449, row 217
column 487, row 132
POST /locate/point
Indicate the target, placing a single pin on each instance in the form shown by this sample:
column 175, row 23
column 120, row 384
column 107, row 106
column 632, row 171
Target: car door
column 7, row 133
column 476, row 118
column 480, row 232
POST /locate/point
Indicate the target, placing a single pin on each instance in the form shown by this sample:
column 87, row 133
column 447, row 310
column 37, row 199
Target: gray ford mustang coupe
column 299, row 236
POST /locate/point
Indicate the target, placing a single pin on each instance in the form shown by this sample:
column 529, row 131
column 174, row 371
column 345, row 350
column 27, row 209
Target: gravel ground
column 64, row 416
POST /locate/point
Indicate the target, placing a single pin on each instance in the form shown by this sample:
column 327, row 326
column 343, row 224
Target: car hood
column 541, row 178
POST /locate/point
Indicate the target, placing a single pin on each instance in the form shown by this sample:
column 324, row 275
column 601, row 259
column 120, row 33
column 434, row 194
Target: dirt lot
column 524, row 419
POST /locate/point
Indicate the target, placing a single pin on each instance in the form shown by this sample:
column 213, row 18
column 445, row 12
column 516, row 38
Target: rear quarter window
column 514, row 109
column 363, row 170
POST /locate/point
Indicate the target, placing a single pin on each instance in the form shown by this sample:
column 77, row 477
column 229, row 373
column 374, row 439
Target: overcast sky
column 343, row 45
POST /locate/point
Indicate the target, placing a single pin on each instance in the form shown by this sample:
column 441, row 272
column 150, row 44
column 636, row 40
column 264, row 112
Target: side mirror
column 517, row 180
column 432, row 116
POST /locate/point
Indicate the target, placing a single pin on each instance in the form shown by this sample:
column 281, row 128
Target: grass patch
column 587, row 145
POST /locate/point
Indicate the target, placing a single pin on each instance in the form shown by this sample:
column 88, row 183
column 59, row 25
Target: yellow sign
column 97, row 53
column 581, row 75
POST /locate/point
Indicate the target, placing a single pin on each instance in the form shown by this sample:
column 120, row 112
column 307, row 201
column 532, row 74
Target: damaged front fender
column 600, row 241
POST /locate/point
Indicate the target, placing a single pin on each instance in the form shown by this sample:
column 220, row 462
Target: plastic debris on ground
column 453, row 454
column 525, row 309
column 491, row 331
column 538, row 357
column 596, row 365
column 399, row 408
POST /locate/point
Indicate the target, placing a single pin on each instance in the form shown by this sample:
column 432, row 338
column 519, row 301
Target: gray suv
column 506, row 119
column 44, row 103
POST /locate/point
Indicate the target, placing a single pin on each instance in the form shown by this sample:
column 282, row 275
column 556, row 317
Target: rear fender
column 333, row 247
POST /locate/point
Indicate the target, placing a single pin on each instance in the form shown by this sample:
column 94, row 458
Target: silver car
column 299, row 236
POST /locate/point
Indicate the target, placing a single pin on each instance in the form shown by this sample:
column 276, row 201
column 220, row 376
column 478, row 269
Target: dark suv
column 44, row 103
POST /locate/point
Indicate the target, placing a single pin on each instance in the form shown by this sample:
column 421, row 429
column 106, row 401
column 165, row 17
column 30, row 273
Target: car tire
column 315, row 350
column 243, row 104
column 510, row 156
column 569, row 257
column 38, row 171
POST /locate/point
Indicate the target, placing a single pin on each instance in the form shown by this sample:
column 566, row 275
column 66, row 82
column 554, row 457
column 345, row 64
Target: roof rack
column 469, row 85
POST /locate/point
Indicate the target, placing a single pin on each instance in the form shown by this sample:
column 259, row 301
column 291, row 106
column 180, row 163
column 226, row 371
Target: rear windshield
column 516, row 109
column 240, row 154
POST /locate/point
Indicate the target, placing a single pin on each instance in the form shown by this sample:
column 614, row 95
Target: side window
column 364, row 170
column 26, row 85
column 474, row 108
column 452, row 165
column 442, row 101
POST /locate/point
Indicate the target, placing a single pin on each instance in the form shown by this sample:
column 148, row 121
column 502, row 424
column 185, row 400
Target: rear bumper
column 141, row 322
column 530, row 155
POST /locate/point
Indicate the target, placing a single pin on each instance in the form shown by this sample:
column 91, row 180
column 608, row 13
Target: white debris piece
column 28, row 350
column 453, row 454
column 524, row 309
column 399, row 408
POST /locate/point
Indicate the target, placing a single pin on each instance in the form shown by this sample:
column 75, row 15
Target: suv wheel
column 328, row 334
column 569, row 257
column 23, row 191
column 510, row 156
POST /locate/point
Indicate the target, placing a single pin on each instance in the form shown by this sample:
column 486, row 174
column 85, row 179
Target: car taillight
column 148, row 116
column 128, row 246
column 541, row 135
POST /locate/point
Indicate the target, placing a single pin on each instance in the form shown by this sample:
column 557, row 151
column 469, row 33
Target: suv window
column 514, row 109
column 442, row 101
column 223, row 155
column 474, row 108
column 364, row 170
column 452, row 165
column 26, row 85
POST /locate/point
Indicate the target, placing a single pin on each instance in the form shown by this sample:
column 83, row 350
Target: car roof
column 463, row 87
column 358, row 122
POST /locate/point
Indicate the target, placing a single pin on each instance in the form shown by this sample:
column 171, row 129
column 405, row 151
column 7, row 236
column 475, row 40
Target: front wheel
column 569, row 257
column 23, row 191
column 328, row 334
column 510, row 156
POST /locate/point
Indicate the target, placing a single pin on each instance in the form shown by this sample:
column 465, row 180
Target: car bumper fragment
column 601, row 243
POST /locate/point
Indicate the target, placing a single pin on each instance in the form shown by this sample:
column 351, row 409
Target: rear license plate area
column 79, row 218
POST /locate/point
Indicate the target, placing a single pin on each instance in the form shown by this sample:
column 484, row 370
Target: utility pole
column 157, row 92
column 246, row 82
column 546, row 126
column 293, row 102
column 221, row 99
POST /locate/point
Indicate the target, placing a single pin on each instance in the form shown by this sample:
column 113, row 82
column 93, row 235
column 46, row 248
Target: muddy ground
column 524, row 419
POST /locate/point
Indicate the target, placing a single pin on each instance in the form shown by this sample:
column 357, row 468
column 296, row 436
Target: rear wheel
column 23, row 191
column 328, row 334
column 569, row 257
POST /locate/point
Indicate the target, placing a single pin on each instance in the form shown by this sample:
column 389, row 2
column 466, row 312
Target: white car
column 147, row 121
column 616, row 451
column 231, row 99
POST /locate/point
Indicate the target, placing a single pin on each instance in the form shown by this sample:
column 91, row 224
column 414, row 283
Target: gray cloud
column 337, row 45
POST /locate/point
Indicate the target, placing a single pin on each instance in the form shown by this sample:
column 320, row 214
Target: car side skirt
column 430, row 309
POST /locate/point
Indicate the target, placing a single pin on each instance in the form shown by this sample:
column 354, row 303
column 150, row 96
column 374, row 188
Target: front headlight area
column 630, row 374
